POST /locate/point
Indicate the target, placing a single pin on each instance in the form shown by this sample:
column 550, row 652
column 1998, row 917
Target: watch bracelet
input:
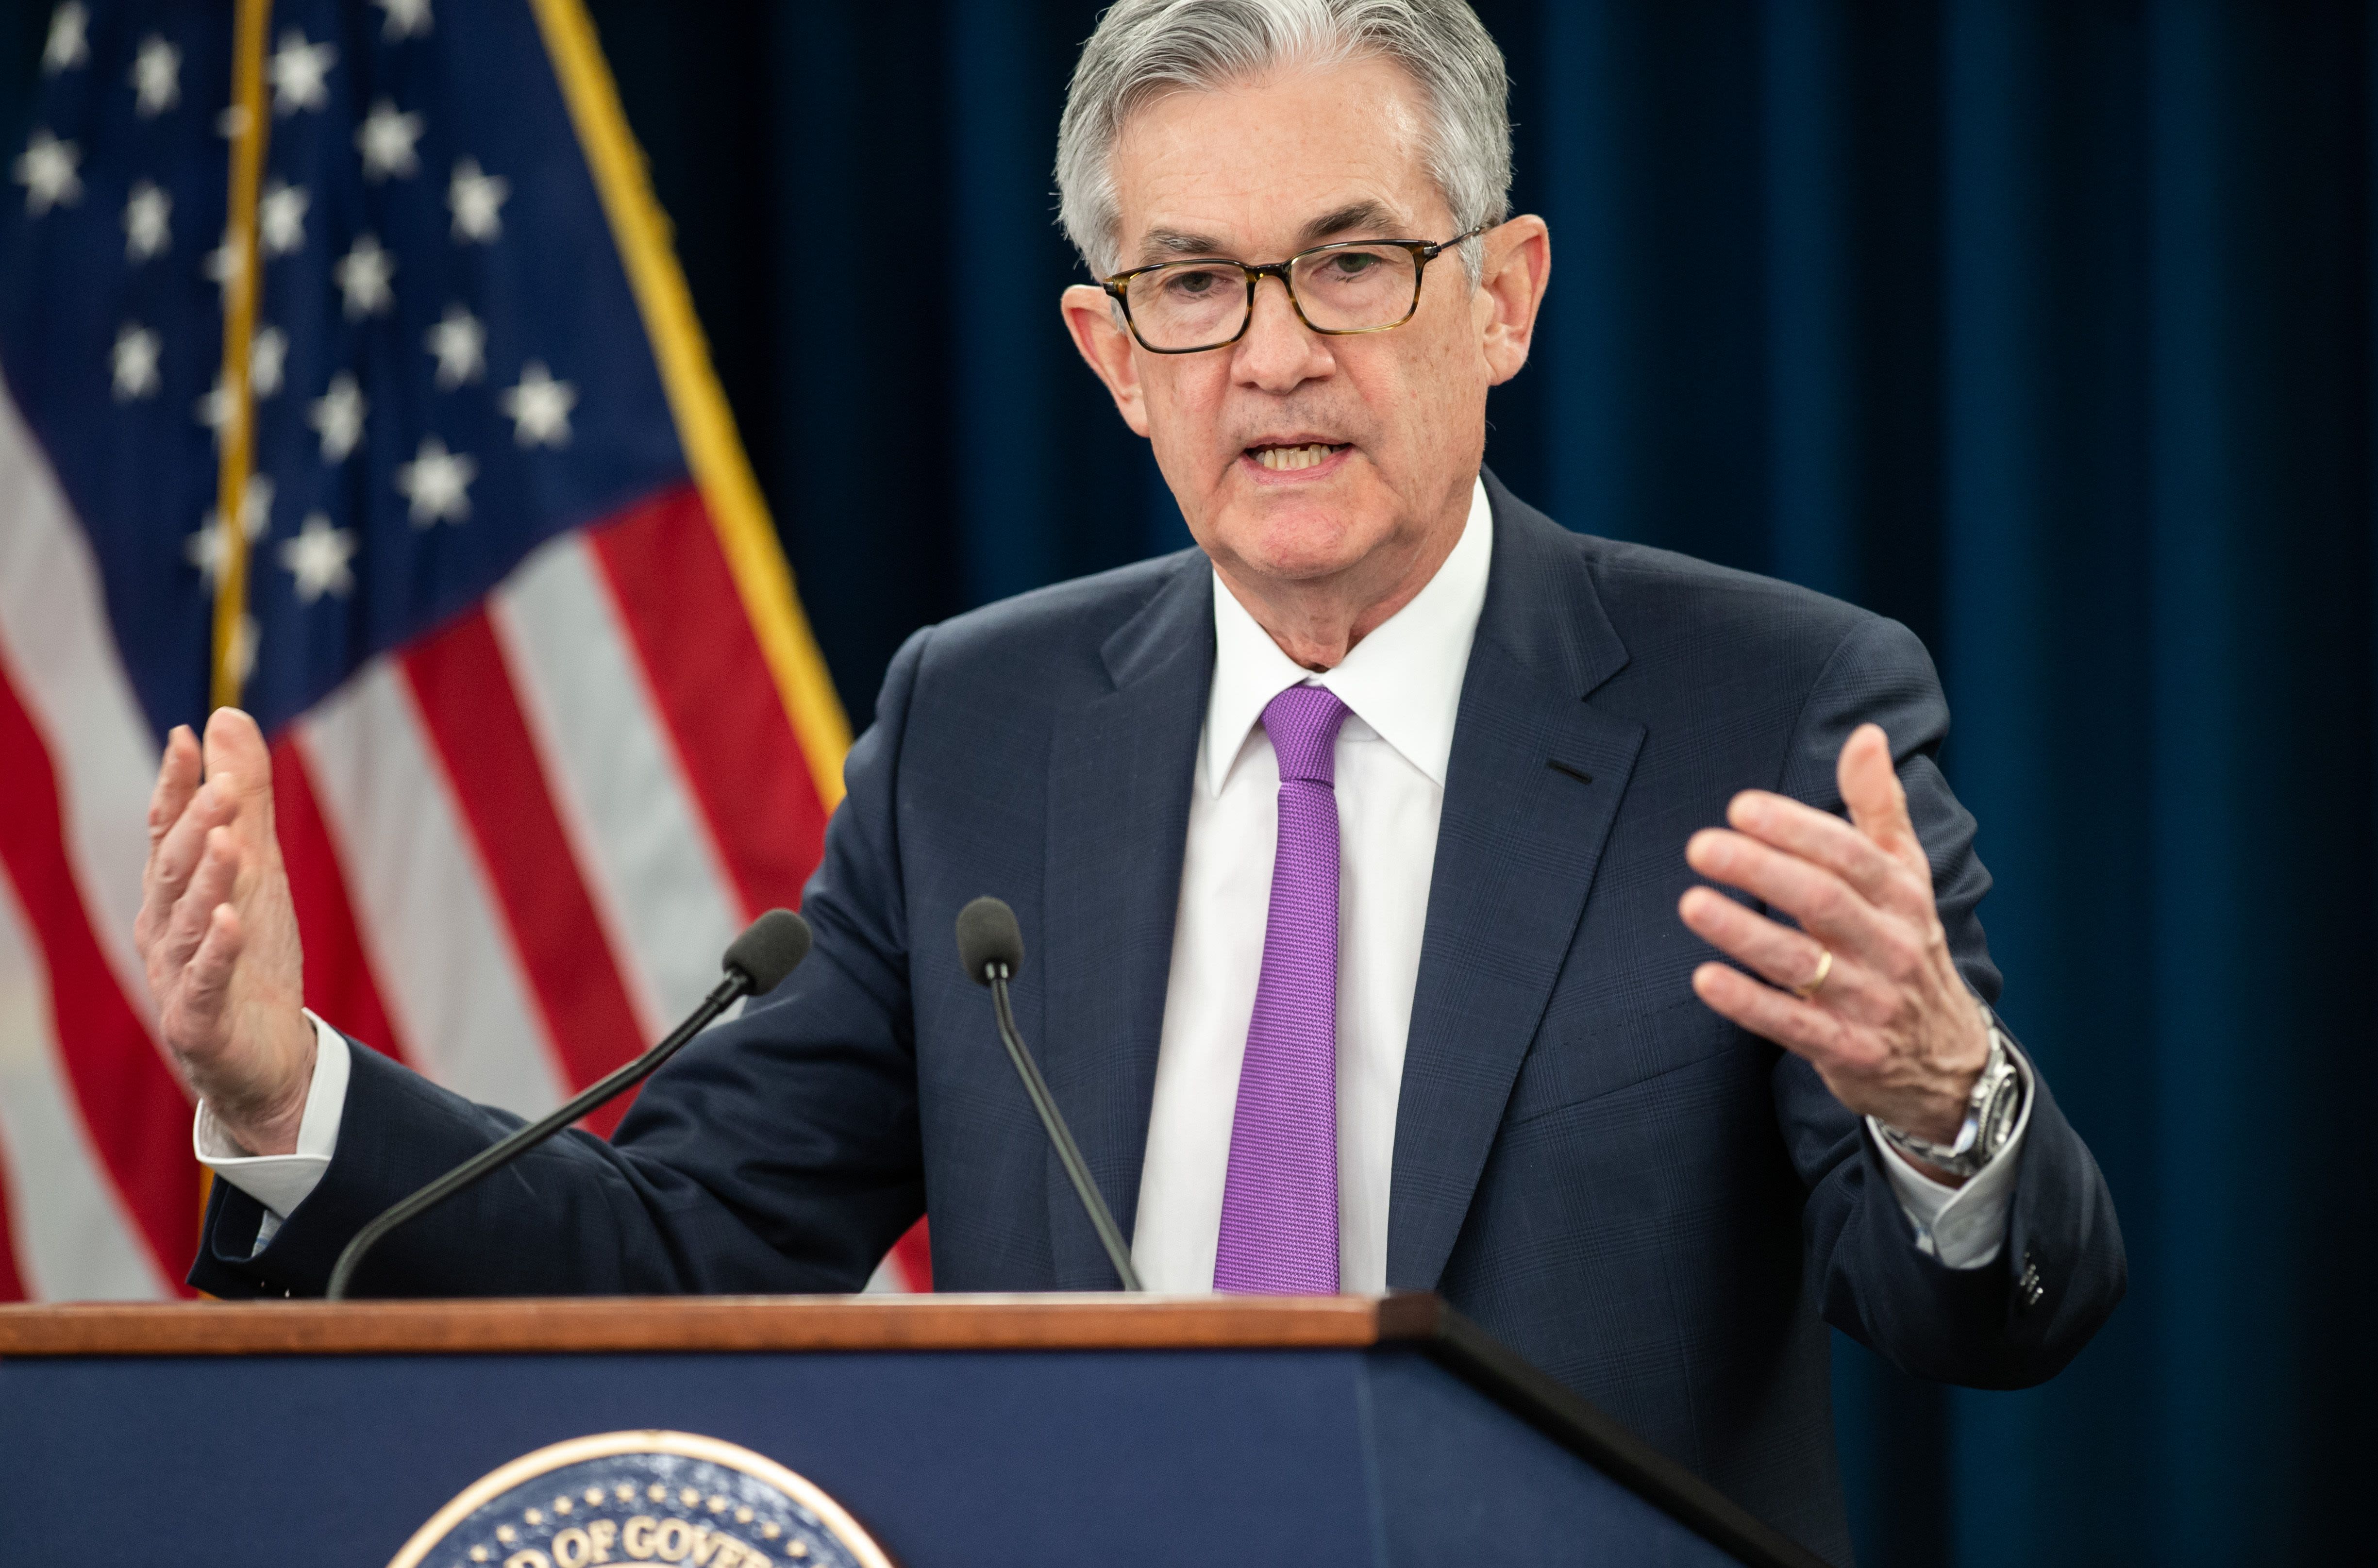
column 1970, row 1160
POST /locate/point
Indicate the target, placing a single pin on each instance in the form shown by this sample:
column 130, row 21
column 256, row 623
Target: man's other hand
column 1886, row 1021
column 217, row 937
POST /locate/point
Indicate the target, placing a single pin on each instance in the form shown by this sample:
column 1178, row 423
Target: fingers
column 204, row 999
column 177, row 780
column 210, row 886
column 183, row 812
column 1878, row 802
column 174, row 857
column 1821, row 902
column 1800, row 1027
column 1785, row 957
column 1802, row 830
column 238, row 760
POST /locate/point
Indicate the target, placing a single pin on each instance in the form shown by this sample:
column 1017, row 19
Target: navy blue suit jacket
column 1655, row 1207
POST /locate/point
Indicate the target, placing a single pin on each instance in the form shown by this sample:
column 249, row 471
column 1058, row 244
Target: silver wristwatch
column 1991, row 1113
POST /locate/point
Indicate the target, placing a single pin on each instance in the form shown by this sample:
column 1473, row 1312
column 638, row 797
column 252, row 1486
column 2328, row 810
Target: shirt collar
column 1404, row 680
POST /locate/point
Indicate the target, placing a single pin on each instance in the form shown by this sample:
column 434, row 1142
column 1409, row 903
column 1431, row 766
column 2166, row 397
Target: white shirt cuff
column 280, row 1182
column 1964, row 1227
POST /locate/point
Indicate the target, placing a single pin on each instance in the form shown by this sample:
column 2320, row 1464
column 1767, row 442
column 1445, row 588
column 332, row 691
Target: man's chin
column 1304, row 544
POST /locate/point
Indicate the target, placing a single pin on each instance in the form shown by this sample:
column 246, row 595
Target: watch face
column 1998, row 1116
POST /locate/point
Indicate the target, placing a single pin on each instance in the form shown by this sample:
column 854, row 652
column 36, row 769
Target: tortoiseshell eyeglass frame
column 1422, row 252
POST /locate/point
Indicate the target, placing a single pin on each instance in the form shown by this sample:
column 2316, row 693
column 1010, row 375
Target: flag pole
column 234, row 645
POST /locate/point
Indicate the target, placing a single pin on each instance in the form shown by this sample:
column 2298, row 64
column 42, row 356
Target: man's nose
column 1279, row 351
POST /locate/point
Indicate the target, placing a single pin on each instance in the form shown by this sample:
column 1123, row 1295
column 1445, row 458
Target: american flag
column 494, row 574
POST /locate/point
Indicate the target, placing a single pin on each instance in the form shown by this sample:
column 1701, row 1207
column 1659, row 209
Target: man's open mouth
column 1285, row 459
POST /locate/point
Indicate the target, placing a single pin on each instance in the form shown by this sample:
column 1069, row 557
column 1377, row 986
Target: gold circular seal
column 618, row 1499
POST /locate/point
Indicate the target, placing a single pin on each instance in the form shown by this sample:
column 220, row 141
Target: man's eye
column 1350, row 263
column 1193, row 284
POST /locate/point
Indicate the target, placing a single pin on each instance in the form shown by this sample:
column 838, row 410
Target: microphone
column 992, row 949
column 770, row 948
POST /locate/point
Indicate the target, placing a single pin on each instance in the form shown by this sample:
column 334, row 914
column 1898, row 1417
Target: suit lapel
column 1120, row 774
column 1531, row 789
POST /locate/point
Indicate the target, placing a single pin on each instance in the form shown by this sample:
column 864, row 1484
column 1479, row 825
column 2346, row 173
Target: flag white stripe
column 645, row 853
column 61, row 651
column 74, row 1239
column 425, row 912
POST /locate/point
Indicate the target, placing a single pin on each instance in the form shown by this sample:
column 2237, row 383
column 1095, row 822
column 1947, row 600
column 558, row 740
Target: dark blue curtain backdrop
column 2044, row 326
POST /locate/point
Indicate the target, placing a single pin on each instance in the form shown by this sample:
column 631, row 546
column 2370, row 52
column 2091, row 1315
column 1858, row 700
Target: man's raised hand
column 217, row 937
column 1886, row 1021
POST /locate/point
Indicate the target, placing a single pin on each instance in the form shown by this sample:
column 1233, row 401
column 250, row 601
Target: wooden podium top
column 1070, row 1321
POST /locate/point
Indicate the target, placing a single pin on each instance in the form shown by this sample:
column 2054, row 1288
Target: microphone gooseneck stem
column 518, row 1142
column 1067, row 1152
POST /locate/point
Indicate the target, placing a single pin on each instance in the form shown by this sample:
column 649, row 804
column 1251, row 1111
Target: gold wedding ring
column 1807, row 991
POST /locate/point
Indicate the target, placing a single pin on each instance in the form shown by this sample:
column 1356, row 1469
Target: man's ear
column 1510, row 292
column 1105, row 344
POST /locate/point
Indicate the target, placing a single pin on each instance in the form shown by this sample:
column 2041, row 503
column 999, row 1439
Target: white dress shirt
column 1403, row 686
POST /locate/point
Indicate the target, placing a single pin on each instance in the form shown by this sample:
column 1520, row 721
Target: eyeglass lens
column 1190, row 304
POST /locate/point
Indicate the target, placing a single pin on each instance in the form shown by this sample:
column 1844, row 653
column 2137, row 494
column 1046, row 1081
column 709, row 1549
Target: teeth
column 1281, row 459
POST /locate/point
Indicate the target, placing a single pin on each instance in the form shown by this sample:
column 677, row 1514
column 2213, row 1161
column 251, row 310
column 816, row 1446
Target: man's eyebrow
column 1354, row 216
column 1167, row 244
column 1171, row 244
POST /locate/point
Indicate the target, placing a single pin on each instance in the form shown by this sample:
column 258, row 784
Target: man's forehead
column 1299, row 157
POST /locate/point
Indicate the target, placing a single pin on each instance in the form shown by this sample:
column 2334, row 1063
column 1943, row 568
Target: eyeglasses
column 1339, row 290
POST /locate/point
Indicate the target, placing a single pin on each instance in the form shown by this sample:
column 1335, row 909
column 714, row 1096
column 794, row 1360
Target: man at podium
column 1419, row 895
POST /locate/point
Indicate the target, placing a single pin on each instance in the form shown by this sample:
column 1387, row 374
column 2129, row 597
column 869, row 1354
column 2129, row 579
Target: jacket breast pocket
column 1584, row 1058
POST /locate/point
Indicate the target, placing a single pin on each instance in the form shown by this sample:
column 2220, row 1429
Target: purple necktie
column 1279, row 1201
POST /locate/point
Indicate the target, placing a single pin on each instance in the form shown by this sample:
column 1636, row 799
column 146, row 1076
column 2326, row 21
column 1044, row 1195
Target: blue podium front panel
column 1048, row 1458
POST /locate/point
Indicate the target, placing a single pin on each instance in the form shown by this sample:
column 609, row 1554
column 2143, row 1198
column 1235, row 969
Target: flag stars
column 539, row 407
column 46, row 169
column 385, row 138
column 240, row 656
column 459, row 343
column 268, row 354
column 363, row 277
column 156, row 77
column 68, row 44
column 281, row 218
column 438, row 484
column 319, row 558
column 134, row 362
column 216, row 409
column 300, row 72
column 210, row 548
column 406, row 18
column 225, row 264
column 148, row 222
column 477, row 200
column 337, row 417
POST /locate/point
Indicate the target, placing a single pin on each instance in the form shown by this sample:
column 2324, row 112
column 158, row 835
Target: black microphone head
column 988, row 935
column 770, row 948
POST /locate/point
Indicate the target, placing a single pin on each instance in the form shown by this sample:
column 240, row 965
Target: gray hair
column 1146, row 49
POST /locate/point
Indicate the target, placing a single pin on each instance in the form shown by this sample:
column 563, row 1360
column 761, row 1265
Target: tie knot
column 1303, row 723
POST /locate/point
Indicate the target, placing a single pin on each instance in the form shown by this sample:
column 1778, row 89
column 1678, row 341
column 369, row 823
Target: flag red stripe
column 914, row 1254
column 710, row 681
column 137, row 1115
column 12, row 1282
column 464, row 689
column 338, row 981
